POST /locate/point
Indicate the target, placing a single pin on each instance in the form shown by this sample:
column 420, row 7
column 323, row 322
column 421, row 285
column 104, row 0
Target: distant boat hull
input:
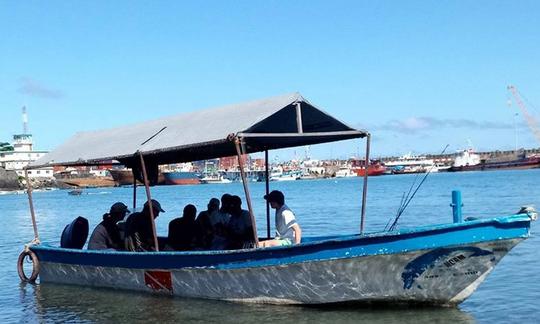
column 373, row 170
column 181, row 178
column 381, row 267
column 525, row 163
column 125, row 178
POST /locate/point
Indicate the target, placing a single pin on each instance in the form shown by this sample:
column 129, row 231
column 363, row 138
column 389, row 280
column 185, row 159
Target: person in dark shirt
column 107, row 234
column 183, row 231
column 139, row 234
column 240, row 229
column 205, row 231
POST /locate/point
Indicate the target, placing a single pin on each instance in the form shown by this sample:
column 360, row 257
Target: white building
column 22, row 154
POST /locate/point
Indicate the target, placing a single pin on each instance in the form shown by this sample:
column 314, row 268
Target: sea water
column 510, row 294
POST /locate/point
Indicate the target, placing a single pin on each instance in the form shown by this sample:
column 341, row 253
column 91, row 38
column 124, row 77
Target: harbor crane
column 532, row 122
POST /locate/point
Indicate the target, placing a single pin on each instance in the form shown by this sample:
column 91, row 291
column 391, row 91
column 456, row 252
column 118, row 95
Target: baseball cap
column 155, row 205
column 119, row 207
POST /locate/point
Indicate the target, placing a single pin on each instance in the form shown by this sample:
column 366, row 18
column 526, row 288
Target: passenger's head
column 190, row 212
column 225, row 202
column 276, row 199
column 235, row 204
column 117, row 212
column 156, row 207
column 213, row 204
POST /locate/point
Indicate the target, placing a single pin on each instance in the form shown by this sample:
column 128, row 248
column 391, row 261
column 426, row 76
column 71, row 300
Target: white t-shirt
column 284, row 221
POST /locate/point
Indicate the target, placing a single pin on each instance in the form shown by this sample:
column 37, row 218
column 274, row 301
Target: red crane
column 530, row 119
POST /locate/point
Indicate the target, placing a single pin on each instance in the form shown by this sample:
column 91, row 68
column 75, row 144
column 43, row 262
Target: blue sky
column 418, row 75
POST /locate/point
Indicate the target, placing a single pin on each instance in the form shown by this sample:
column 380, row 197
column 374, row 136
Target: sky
column 417, row 74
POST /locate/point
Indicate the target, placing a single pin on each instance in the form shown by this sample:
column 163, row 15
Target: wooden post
column 149, row 198
column 31, row 204
column 134, row 190
column 364, row 190
column 246, row 189
column 266, row 178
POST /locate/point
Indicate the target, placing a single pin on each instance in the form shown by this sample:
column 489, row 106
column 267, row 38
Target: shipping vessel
column 467, row 160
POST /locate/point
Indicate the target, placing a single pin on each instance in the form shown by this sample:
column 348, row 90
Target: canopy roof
column 278, row 122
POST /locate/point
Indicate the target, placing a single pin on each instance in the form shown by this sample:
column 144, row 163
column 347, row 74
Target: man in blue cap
column 288, row 231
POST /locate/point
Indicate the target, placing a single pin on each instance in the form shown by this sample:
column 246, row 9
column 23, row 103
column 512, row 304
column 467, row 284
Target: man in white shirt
column 288, row 231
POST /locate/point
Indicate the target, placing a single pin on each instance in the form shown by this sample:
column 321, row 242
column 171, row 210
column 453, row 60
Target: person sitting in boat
column 107, row 234
column 139, row 234
column 205, row 232
column 220, row 223
column 239, row 228
column 183, row 231
column 287, row 229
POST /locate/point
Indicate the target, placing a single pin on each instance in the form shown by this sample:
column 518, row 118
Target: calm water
column 510, row 294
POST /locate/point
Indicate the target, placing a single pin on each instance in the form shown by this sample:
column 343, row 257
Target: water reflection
column 69, row 303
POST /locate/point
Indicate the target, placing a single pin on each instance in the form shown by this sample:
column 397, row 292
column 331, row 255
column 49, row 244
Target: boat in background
column 286, row 176
column 345, row 172
column 124, row 177
column 409, row 163
column 375, row 168
column 215, row 178
column 181, row 174
column 181, row 178
column 468, row 160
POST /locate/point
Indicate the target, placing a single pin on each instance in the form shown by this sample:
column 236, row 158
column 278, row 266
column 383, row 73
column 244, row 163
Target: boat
column 75, row 192
column 468, row 160
column 124, row 177
column 345, row 172
column 278, row 174
column 433, row 264
column 181, row 174
column 215, row 179
column 375, row 168
column 181, row 178
column 409, row 163
column 286, row 176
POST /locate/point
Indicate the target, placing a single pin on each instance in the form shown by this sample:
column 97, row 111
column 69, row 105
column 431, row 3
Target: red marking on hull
column 158, row 280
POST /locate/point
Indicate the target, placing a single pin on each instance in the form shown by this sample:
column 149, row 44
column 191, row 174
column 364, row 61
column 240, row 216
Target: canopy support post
column 299, row 117
column 266, row 178
column 364, row 190
column 246, row 189
column 31, row 204
column 149, row 199
column 134, row 191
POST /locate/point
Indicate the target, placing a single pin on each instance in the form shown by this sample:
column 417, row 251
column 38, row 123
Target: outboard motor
column 75, row 234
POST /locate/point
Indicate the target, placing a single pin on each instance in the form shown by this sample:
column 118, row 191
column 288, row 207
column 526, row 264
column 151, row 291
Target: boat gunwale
column 354, row 240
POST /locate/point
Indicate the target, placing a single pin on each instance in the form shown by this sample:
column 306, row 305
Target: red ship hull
column 373, row 170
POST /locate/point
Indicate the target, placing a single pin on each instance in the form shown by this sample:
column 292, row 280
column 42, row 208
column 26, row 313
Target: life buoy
column 35, row 266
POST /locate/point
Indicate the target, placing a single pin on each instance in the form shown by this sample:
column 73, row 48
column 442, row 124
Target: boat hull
column 374, row 170
column 181, row 178
column 420, row 266
column 521, row 164
column 125, row 178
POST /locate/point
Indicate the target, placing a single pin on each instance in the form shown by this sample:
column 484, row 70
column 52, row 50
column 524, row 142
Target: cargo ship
column 467, row 160
column 124, row 177
column 181, row 177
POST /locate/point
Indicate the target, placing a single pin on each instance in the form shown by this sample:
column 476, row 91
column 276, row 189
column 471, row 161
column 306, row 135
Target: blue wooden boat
column 438, row 265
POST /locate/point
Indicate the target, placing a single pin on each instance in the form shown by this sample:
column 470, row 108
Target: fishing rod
column 405, row 202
